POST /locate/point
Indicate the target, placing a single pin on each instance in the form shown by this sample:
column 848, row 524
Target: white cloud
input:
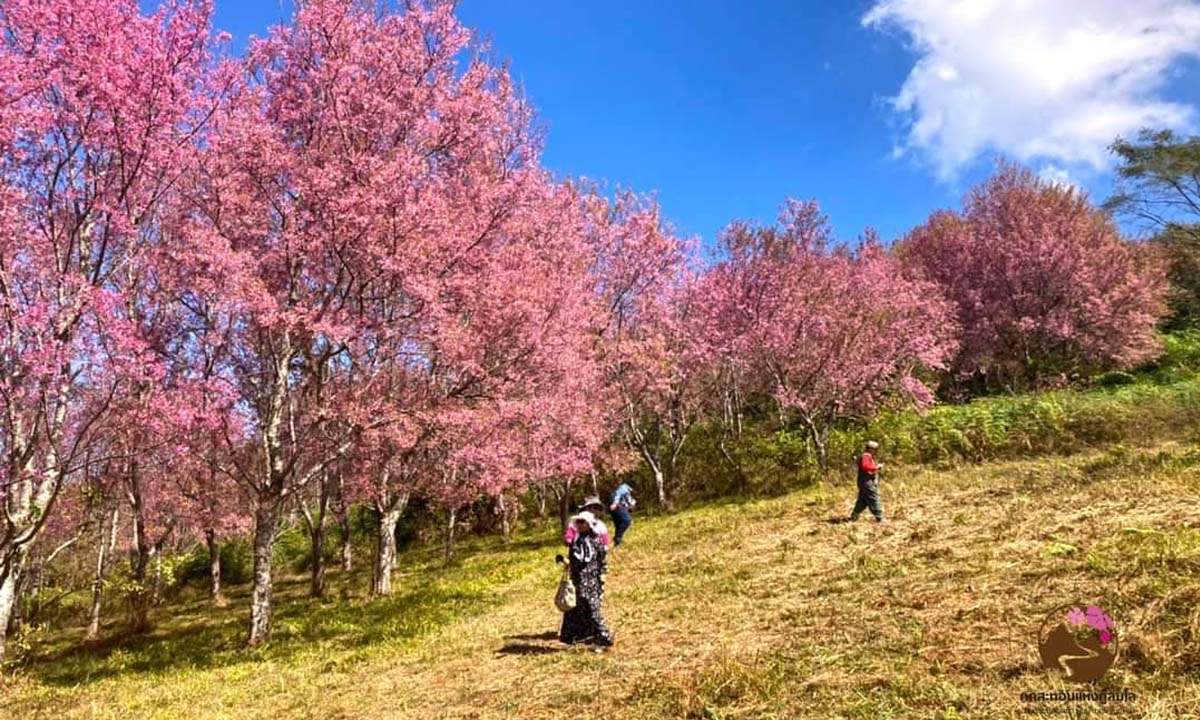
column 1052, row 81
column 1056, row 174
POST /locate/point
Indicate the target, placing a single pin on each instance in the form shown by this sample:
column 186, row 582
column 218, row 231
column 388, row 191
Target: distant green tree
column 1158, row 183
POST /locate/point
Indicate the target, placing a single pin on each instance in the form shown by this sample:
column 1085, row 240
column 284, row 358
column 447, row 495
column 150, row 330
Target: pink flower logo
column 1080, row 641
column 1097, row 618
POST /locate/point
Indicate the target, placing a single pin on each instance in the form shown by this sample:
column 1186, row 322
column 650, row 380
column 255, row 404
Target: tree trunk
column 385, row 553
column 317, row 537
column 103, row 557
column 214, row 567
column 742, row 480
column 93, row 630
column 505, row 525
column 660, row 486
column 8, row 600
column 24, row 607
column 823, row 455
column 156, row 593
column 265, row 518
column 564, row 506
column 671, row 478
column 450, row 536
column 139, row 598
column 268, row 506
column 347, row 547
column 820, row 438
column 651, row 451
column 26, row 503
column 29, row 594
column 343, row 520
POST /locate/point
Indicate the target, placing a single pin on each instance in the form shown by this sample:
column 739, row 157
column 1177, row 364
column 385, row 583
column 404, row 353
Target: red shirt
column 867, row 463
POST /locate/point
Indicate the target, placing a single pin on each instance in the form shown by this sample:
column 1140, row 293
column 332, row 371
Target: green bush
column 761, row 462
column 1051, row 422
column 1114, row 378
column 1180, row 359
column 1061, row 421
column 1182, row 350
column 237, row 563
column 293, row 550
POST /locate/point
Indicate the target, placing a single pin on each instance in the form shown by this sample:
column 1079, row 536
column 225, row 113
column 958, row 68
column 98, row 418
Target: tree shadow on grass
column 120, row 652
column 215, row 637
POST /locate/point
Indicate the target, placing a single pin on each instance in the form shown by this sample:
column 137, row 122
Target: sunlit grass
column 767, row 608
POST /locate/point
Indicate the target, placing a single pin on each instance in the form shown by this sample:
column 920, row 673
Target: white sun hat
column 592, row 521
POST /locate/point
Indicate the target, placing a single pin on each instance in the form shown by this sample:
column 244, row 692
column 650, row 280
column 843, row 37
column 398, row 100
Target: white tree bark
column 103, row 558
column 450, row 527
column 8, row 600
column 265, row 519
column 385, row 555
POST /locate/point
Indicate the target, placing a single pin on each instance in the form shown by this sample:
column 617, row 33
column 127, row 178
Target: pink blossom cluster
column 1095, row 618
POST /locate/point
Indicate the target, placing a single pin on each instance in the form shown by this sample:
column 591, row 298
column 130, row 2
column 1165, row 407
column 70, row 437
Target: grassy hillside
column 1160, row 401
column 767, row 609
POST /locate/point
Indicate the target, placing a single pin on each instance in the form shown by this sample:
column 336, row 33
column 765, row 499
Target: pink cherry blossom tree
column 562, row 442
column 212, row 507
column 825, row 331
column 650, row 348
column 374, row 217
column 150, row 428
column 205, row 441
column 100, row 107
column 664, row 380
column 498, row 346
column 1042, row 282
column 105, row 511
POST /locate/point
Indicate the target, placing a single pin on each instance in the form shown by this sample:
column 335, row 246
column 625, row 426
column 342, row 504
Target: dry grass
column 760, row 610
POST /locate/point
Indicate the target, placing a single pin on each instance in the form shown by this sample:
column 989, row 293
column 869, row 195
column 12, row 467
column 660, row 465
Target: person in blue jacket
column 621, row 508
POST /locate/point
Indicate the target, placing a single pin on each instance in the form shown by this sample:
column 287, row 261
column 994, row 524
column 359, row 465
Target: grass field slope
column 764, row 609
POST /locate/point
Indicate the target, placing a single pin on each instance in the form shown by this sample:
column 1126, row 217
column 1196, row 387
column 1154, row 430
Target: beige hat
column 591, row 501
column 872, row 444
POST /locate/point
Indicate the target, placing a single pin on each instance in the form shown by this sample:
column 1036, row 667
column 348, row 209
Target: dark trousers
column 868, row 498
column 622, row 519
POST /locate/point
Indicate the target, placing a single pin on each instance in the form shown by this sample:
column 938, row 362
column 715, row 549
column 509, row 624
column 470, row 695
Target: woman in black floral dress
column 589, row 562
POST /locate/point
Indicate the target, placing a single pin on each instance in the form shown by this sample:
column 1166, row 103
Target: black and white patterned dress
column 585, row 623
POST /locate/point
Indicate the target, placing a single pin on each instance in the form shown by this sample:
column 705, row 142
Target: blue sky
column 724, row 109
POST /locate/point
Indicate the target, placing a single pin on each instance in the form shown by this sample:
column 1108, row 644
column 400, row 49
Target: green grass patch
column 1152, row 551
column 195, row 636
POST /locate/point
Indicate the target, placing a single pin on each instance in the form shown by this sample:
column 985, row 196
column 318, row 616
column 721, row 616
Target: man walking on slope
column 622, row 504
column 868, row 484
